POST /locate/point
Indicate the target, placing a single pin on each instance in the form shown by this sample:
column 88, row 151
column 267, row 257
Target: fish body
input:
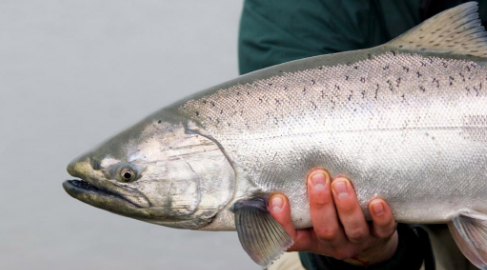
column 405, row 121
column 404, row 127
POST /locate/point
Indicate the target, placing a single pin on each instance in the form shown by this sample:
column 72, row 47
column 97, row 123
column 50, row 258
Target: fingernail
column 340, row 189
column 378, row 208
column 277, row 204
column 318, row 181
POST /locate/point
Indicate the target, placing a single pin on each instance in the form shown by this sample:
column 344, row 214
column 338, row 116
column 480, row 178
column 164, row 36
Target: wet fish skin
column 405, row 121
column 406, row 127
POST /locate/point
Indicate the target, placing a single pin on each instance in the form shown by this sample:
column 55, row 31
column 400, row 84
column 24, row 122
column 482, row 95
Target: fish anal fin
column 455, row 31
column 261, row 236
column 469, row 229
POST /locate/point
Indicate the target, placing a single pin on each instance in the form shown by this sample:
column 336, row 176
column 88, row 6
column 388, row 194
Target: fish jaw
column 92, row 195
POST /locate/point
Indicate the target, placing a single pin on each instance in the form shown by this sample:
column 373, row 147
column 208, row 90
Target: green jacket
column 277, row 31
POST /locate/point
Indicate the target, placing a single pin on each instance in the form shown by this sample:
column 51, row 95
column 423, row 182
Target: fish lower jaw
column 83, row 184
column 85, row 191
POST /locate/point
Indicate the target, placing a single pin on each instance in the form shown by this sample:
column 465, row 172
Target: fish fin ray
column 469, row 229
column 261, row 236
column 455, row 31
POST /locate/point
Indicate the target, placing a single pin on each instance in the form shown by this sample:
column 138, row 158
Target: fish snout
column 71, row 169
column 79, row 167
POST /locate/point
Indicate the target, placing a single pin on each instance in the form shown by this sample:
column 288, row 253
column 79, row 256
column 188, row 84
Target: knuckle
column 357, row 235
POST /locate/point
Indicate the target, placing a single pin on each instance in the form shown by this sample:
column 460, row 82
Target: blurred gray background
column 73, row 73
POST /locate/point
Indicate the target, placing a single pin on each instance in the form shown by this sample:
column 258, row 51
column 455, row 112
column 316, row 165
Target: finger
column 349, row 211
column 383, row 224
column 281, row 211
column 322, row 208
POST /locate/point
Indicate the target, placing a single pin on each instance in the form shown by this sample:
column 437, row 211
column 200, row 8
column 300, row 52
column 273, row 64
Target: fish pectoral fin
column 455, row 31
column 469, row 229
column 261, row 236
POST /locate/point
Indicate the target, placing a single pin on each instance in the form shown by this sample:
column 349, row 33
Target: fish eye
column 127, row 175
column 124, row 172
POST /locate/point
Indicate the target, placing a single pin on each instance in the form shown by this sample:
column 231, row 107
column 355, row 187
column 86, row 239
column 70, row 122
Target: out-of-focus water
column 73, row 73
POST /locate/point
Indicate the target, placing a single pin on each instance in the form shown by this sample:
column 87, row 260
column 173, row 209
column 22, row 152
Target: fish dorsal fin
column 455, row 31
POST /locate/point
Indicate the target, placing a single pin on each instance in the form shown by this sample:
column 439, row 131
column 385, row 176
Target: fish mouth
column 96, row 196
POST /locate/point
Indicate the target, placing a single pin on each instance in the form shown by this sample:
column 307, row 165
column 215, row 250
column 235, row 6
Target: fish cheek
column 174, row 193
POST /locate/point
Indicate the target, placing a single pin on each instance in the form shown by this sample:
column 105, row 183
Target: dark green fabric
column 278, row 31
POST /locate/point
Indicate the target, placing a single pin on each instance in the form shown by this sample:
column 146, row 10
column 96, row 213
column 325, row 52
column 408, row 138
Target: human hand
column 339, row 226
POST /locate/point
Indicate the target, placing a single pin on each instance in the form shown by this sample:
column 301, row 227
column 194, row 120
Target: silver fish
column 406, row 121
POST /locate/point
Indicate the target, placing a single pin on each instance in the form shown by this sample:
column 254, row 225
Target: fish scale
column 333, row 116
column 405, row 121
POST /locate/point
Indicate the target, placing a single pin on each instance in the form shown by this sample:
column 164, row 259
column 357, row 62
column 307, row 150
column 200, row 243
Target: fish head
column 157, row 171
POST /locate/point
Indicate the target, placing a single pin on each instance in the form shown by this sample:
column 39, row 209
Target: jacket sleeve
column 413, row 250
